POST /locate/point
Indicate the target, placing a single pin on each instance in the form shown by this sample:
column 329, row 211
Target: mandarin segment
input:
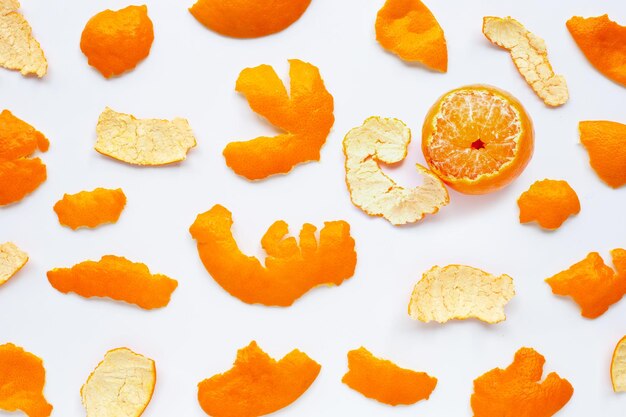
column 384, row 381
column 549, row 203
column 618, row 366
column 305, row 114
column 12, row 259
column 518, row 390
column 605, row 142
column 90, row 208
column 257, row 385
column 117, row 278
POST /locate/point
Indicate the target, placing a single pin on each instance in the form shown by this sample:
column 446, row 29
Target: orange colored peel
column 90, row 208
column 117, row 278
column 22, row 380
column 291, row 268
column 606, row 144
column 592, row 284
column 257, row 384
column 384, row 381
column 549, row 203
column 305, row 114
column 408, row 29
column 517, row 390
column 618, row 366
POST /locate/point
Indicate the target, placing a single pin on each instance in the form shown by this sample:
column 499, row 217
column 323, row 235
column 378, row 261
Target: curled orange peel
column 90, row 208
column 12, row 259
column 305, row 114
column 257, row 385
column 548, row 202
column 618, row 366
column 605, row 143
column 291, row 268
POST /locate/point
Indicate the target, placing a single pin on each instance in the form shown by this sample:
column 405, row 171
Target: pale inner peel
column 12, row 259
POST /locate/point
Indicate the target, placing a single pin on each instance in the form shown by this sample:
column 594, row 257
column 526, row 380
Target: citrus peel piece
column 12, row 259
column 517, row 390
column 408, row 29
column 121, row 385
column 384, row 381
column 386, row 140
column 257, row 385
column 592, row 284
column 90, row 208
column 549, row 203
column 291, row 268
column 305, row 114
column 22, row 380
column 605, row 142
column 150, row 142
column 459, row 292
column 117, row 278
column 530, row 56
column 618, row 366
column 19, row 50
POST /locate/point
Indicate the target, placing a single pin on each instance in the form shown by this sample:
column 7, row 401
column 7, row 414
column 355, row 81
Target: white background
column 191, row 73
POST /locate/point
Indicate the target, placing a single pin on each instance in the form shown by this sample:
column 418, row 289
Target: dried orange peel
column 117, row 278
column 22, row 380
column 408, row 29
column 116, row 41
column 530, row 56
column 90, row 208
column 549, row 203
column 291, row 268
column 604, row 44
column 384, row 381
column 149, row 142
column 248, row 18
column 592, row 284
column 121, row 385
column 618, row 366
column 19, row 50
column 605, row 142
column 257, row 385
column 19, row 174
column 12, row 259
column 386, row 140
column 459, row 292
column 517, row 390
column 305, row 114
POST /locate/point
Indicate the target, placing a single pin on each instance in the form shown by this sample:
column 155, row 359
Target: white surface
column 191, row 73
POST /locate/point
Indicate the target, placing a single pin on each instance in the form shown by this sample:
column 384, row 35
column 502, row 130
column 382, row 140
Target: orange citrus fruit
column 477, row 139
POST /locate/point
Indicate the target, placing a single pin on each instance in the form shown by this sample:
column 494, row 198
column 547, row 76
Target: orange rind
column 549, row 203
column 12, row 259
column 116, row 278
column 618, row 366
column 90, row 208
column 386, row 140
column 384, row 381
column 517, row 390
column 606, row 144
column 305, row 114
column 257, row 385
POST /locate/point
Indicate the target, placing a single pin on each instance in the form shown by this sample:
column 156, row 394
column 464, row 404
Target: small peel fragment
column 384, row 381
column 530, row 56
column 548, row 202
column 459, row 292
column 257, row 385
column 150, row 142
column 19, row 50
column 12, row 259
column 387, row 140
column 618, row 366
column 90, row 208
column 117, row 278
column 605, row 142
column 517, row 390
column 22, row 380
column 121, row 385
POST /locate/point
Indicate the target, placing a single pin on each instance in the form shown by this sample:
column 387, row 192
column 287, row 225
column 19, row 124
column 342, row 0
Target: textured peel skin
column 548, row 202
column 90, row 208
column 618, row 366
column 605, row 141
column 12, row 259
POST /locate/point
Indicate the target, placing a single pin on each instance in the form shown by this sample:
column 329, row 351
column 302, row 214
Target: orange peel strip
column 306, row 114
column 408, row 29
column 12, row 259
column 248, row 18
column 605, row 142
column 291, row 268
column 618, row 366
column 592, row 284
column 121, row 385
column 90, row 208
column 384, row 381
column 549, row 203
column 516, row 390
column 530, row 56
column 386, row 140
column 117, row 278
column 22, row 380
column 257, row 384
column 604, row 44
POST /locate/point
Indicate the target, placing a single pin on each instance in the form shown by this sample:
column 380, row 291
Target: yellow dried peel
column 386, row 140
column 12, row 259
column 530, row 56
column 458, row 292
column 143, row 141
